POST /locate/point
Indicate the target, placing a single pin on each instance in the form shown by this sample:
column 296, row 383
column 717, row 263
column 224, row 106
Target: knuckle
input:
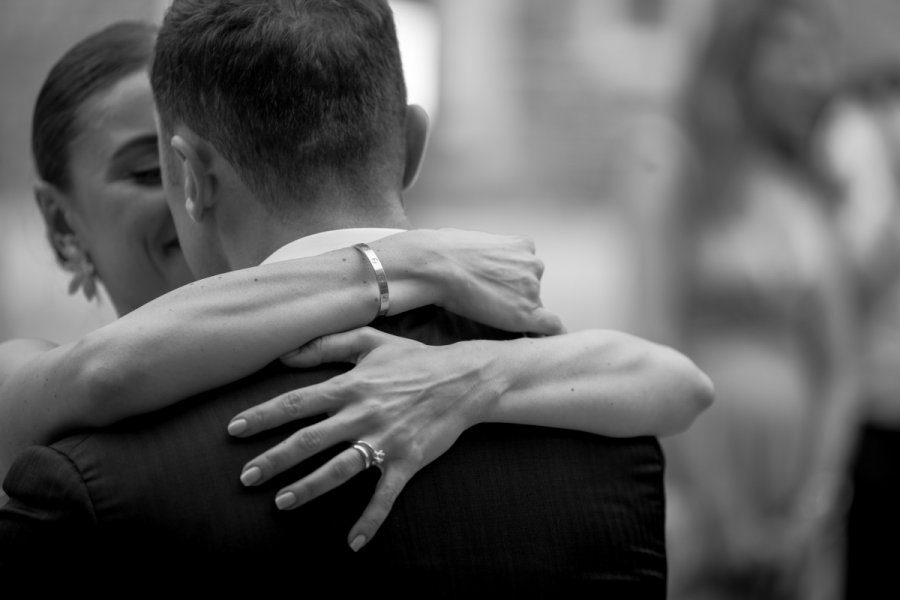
column 369, row 335
column 356, row 390
column 528, row 243
column 415, row 454
column 370, row 413
column 338, row 386
column 292, row 403
column 307, row 440
column 313, row 347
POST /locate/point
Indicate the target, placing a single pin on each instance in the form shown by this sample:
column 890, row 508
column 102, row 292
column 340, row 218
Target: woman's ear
column 55, row 208
column 62, row 232
column 416, row 142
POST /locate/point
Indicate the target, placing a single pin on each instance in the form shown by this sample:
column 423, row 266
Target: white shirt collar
column 326, row 241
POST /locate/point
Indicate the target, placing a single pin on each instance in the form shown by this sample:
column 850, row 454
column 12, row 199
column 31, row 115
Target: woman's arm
column 599, row 381
column 220, row 329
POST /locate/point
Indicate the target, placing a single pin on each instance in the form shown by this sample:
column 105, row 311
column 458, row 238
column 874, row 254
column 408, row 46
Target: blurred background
column 718, row 175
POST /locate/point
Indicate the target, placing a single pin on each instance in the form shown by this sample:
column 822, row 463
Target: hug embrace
column 299, row 382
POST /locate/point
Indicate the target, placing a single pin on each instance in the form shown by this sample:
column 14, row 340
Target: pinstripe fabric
column 509, row 509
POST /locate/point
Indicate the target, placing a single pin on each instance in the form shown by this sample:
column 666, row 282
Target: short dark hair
column 292, row 92
column 94, row 64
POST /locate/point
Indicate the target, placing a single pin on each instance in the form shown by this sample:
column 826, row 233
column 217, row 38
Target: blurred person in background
column 743, row 269
column 861, row 148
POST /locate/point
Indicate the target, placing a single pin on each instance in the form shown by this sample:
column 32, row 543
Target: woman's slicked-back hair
column 94, row 64
column 286, row 90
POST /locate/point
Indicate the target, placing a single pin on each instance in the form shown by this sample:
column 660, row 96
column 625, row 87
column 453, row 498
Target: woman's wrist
column 489, row 374
column 417, row 273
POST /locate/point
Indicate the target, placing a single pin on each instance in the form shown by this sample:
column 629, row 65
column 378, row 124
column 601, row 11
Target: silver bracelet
column 380, row 276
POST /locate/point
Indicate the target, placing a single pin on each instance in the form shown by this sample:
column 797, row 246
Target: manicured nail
column 237, row 427
column 358, row 542
column 251, row 475
column 285, row 500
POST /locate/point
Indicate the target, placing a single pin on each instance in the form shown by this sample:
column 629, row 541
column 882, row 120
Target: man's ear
column 416, row 142
column 55, row 208
column 199, row 181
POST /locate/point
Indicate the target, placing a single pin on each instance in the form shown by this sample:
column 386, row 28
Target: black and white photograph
column 450, row 298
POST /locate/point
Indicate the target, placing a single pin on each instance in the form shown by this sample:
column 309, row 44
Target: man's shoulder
column 503, row 501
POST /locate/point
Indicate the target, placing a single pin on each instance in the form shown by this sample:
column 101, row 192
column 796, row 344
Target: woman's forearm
column 600, row 381
column 220, row 329
column 198, row 337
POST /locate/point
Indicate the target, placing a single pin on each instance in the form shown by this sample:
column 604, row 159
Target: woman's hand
column 489, row 278
column 413, row 415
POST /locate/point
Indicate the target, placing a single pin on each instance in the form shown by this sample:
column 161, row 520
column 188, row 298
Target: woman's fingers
column 545, row 322
column 296, row 404
column 303, row 444
column 324, row 479
column 348, row 346
column 336, row 472
column 501, row 287
column 389, row 487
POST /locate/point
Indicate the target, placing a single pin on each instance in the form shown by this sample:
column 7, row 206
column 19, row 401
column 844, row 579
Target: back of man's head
column 295, row 94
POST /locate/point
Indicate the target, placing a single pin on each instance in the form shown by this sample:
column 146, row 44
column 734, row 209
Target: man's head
column 296, row 107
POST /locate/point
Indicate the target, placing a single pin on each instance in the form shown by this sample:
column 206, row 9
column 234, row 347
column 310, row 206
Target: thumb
column 348, row 346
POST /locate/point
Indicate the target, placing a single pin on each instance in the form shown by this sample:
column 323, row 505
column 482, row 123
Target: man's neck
column 253, row 240
column 328, row 241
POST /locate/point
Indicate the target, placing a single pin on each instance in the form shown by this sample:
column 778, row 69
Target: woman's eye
column 148, row 177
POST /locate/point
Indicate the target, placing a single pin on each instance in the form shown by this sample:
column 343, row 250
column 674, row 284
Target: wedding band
column 370, row 455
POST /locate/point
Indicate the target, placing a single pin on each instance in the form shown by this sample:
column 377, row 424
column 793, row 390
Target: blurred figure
column 861, row 147
column 743, row 271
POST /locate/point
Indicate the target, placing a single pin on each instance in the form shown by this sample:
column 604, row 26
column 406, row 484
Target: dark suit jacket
column 509, row 509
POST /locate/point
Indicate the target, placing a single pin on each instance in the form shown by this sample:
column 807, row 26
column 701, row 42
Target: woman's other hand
column 489, row 278
column 412, row 414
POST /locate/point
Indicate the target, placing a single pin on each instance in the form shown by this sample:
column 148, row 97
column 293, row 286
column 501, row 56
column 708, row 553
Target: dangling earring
column 77, row 262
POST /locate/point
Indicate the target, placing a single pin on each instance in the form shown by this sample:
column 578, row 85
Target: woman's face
column 118, row 208
column 793, row 71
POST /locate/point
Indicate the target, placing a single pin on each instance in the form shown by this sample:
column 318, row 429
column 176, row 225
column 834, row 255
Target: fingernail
column 251, row 475
column 237, row 427
column 285, row 500
column 358, row 542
